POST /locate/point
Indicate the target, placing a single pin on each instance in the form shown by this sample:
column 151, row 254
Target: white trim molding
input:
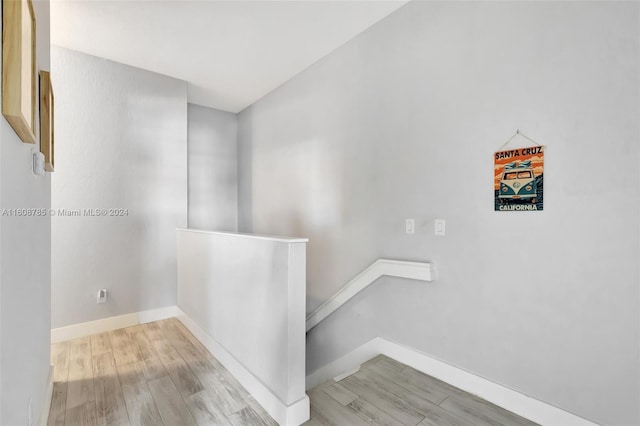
column 43, row 419
column 245, row 235
column 507, row 398
column 112, row 323
column 395, row 268
column 290, row 415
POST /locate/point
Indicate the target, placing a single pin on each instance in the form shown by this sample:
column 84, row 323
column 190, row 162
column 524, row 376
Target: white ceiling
column 231, row 53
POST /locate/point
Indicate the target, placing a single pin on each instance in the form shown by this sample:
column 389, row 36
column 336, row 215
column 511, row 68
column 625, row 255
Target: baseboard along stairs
column 294, row 414
column 503, row 396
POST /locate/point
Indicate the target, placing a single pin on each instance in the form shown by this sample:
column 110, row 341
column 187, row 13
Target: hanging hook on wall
column 517, row 133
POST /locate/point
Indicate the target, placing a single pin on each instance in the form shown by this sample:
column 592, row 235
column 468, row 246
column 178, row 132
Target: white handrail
column 395, row 268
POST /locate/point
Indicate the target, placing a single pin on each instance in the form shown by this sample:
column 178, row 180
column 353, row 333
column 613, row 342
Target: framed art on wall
column 19, row 67
column 518, row 180
column 46, row 120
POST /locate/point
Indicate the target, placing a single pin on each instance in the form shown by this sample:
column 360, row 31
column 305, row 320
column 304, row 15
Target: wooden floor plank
column 383, row 370
column 173, row 333
column 390, row 364
column 183, row 377
column 79, row 348
column 333, row 412
column 152, row 330
column 421, row 380
column 165, row 351
column 373, row 360
column 460, row 409
column 393, row 404
column 315, row 420
column 110, row 405
column 264, row 416
column 426, row 387
column 211, row 373
column 482, row 412
column 198, row 362
column 324, row 385
column 134, row 329
column 152, row 367
column 123, row 346
column 372, row 414
column 233, row 387
column 80, row 385
column 141, row 406
column 205, row 411
column 143, row 345
column 411, row 406
column 389, row 392
column 169, row 402
column 100, row 343
column 492, row 410
column 424, row 390
column 223, row 399
column 159, row 374
column 341, row 394
column 441, row 417
column 58, row 404
column 194, row 341
column 60, row 361
column 81, row 415
column 107, row 379
column 182, row 340
column 246, row 417
column 218, row 380
column 419, row 398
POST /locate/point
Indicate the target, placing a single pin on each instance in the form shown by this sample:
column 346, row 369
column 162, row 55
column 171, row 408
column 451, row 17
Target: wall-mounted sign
column 518, row 179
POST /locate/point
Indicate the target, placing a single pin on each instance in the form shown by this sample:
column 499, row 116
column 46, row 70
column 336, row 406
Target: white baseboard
column 344, row 365
column 112, row 323
column 347, row 373
column 43, row 419
column 289, row 415
column 509, row 399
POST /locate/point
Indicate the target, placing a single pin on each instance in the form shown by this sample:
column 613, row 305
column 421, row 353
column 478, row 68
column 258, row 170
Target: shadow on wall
column 291, row 184
column 245, row 170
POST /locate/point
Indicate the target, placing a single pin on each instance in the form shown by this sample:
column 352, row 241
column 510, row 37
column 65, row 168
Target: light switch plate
column 38, row 164
column 410, row 226
column 439, row 227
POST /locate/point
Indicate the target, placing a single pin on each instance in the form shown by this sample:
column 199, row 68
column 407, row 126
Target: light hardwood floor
column 160, row 374
column 386, row 392
column 152, row 374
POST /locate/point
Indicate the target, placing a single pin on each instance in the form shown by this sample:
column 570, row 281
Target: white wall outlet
column 102, row 296
column 439, row 227
column 410, row 226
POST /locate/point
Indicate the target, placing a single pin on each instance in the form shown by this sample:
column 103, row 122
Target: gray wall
column 546, row 302
column 306, row 168
column 121, row 137
column 213, row 169
column 25, row 266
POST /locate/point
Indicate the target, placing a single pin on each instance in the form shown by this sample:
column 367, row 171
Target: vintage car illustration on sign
column 518, row 179
column 518, row 182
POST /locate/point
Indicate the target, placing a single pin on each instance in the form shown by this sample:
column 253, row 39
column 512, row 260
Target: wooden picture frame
column 46, row 120
column 19, row 67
